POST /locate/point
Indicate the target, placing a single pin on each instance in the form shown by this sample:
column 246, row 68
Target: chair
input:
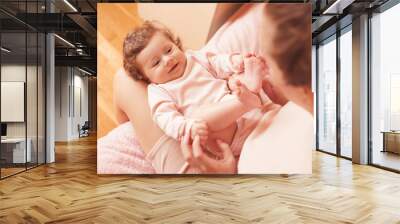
column 84, row 130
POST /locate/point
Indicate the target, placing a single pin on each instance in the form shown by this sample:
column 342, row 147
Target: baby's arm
column 251, row 68
column 226, row 65
column 165, row 113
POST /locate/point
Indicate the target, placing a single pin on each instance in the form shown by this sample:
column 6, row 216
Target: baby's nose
column 169, row 61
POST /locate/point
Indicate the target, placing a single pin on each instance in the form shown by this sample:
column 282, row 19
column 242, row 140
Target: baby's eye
column 156, row 63
column 169, row 50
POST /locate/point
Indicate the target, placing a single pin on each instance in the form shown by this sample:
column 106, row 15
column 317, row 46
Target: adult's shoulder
column 282, row 147
column 120, row 77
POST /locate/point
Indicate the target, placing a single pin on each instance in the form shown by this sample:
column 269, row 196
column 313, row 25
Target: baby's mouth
column 173, row 67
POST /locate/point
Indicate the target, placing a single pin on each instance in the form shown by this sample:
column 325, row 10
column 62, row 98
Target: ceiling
column 76, row 24
column 332, row 15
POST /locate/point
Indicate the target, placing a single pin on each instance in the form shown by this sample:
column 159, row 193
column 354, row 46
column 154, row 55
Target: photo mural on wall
column 204, row 88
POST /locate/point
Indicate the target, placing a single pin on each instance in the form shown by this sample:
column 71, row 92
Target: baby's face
column 161, row 60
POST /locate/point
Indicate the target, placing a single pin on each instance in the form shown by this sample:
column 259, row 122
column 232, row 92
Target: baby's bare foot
column 254, row 69
column 247, row 97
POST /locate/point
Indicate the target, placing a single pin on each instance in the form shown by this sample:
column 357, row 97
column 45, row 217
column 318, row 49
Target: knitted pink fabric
column 120, row 153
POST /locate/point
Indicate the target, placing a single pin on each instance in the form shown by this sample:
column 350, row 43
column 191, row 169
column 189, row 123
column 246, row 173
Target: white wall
column 70, row 83
column 33, row 127
column 61, row 103
column 193, row 31
column 12, row 73
column 80, row 93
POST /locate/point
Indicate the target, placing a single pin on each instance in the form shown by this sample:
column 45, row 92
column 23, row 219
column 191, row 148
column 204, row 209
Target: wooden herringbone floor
column 70, row 191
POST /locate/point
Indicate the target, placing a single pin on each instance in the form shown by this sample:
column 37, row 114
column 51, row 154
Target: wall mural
column 185, row 89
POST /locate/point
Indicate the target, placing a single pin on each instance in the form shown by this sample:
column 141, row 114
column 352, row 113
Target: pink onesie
column 204, row 82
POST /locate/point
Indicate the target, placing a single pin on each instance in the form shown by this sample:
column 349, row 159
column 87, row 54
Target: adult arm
column 130, row 100
column 222, row 13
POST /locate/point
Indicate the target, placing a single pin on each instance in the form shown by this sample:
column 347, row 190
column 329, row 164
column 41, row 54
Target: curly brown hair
column 137, row 40
column 288, row 40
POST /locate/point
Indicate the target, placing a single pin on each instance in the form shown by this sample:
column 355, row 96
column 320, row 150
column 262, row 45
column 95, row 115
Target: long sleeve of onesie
column 166, row 114
column 220, row 65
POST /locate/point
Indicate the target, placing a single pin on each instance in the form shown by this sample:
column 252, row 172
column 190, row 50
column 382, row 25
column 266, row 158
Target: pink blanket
column 120, row 153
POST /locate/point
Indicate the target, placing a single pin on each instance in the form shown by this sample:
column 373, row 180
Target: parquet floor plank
column 70, row 191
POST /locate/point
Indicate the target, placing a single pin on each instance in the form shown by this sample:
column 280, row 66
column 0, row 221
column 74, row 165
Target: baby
column 188, row 91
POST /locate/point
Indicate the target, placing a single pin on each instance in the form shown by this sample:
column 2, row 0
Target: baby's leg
column 221, row 118
column 226, row 135
column 254, row 71
column 221, row 115
column 166, row 157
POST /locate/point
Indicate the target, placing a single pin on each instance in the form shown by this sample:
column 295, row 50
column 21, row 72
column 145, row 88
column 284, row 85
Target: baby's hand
column 199, row 128
column 234, row 83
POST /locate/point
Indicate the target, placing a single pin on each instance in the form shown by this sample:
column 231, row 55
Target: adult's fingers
column 249, row 54
column 243, row 89
column 186, row 138
column 203, row 125
column 205, row 163
column 262, row 59
column 202, row 129
column 197, row 149
column 229, row 161
column 237, row 82
column 226, row 150
column 202, row 132
column 210, row 165
column 186, row 148
column 237, row 85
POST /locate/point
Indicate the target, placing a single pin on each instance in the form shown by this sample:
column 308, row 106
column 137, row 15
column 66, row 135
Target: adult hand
column 199, row 128
column 187, row 150
column 273, row 92
column 197, row 157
